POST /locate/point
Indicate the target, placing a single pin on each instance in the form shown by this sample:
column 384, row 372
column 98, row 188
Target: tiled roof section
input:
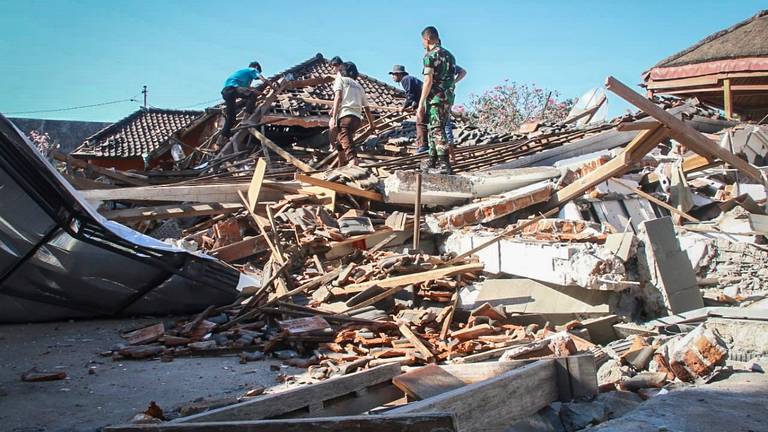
column 379, row 93
column 140, row 133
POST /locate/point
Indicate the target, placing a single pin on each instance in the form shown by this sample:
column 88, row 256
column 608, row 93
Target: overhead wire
column 133, row 99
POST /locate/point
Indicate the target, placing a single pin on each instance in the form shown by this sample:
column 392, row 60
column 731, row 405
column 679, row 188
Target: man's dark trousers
column 231, row 95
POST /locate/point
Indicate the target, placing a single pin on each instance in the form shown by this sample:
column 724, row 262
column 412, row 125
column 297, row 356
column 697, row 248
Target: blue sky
column 58, row 54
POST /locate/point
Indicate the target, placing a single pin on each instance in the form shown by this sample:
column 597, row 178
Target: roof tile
column 140, row 133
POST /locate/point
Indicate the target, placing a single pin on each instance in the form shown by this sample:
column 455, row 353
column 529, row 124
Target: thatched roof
column 748, row 38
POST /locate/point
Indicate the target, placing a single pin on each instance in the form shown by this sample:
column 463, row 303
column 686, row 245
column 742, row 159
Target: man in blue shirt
column 412, row 87
column 238, row 86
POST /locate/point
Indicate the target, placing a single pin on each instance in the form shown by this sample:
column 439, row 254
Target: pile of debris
column 548, row 247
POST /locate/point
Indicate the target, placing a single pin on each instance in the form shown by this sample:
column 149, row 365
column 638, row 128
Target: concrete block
column 671, row 270
column 528, row 296
column 490, row 209
column 436, row 189
column 493, row 182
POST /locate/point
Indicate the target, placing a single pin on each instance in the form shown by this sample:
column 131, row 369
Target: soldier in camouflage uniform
column 437, row 97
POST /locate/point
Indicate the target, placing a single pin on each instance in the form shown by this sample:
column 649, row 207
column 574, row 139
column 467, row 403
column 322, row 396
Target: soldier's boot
column 444, row 165
column 429, row 164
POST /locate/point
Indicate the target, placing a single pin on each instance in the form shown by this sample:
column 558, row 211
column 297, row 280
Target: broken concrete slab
column 497, row 181
column 490, row 209
column 440, row 189
column 622, row 245
column 671, row 270
column 436, row 189
column 568, row 264
column 746, row 339
column 561, row 303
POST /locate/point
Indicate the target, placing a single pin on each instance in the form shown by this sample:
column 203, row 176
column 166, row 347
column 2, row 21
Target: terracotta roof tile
column 140, row 133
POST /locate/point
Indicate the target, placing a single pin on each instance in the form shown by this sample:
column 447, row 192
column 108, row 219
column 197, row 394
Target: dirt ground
column 118, row 390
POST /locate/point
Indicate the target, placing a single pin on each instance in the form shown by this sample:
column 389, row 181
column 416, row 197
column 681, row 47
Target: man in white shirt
column 349, row 104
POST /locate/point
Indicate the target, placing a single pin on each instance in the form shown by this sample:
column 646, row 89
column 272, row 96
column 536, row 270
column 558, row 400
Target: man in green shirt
column 437, row 97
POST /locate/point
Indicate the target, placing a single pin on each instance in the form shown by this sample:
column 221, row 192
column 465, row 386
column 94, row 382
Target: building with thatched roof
column 728, row 70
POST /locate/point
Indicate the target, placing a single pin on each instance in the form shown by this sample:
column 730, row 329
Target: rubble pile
column 598, row 253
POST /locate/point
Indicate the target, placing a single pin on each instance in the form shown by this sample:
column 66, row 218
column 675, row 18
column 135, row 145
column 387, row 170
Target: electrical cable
column 73, row 108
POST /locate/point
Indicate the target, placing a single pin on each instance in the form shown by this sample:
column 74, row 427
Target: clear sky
column 58, row 53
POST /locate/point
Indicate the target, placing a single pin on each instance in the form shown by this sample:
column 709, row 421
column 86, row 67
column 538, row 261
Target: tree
column 506, row 107
column 43, row 143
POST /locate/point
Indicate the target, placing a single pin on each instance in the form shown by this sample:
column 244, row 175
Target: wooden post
column 727, row 98
column 417, row 213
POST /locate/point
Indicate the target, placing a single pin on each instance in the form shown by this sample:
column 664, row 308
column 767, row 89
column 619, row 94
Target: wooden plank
column 254, row 188
column 262, row 229
column 470, row 373
column 410, row 279
column 273, row 405
column 106, row 172
column 636, row 126
column 637, row 148
column 266, row 142
column 340, row 188
column 171, row 211
column 224, row 193
column 417, row 213
column 425, row 382
column 239, row 250
column 375, row 299
column 416, row 342
column 682, row 131
column 495, row 403
column 699, row 81
column 583, row 376
column 433, row 422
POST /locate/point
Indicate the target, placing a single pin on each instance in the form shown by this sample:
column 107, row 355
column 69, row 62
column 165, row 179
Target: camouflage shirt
column 441, row 64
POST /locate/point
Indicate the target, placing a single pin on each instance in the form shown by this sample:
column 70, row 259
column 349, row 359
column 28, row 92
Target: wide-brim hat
column 398, row 69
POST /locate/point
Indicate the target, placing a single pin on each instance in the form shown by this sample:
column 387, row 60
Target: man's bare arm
column 425, row 89
column 369, row 116
column 336, row 106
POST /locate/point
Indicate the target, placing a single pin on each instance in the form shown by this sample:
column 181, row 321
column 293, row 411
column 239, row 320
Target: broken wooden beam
column 303, row 397
column 410, row 279
column 683, row 132
column 433, row 422
column 266, row 142
column 170, row 211
column 340, row 188
column 495, row 403
column 635, row 150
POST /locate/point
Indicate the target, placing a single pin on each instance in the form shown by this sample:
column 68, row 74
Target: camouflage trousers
column 438, row 114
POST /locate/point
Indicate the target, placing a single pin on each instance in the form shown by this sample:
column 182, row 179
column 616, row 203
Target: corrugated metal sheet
column 59, row 259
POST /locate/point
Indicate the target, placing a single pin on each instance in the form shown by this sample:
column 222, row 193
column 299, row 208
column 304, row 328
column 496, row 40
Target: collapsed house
column 561, row 261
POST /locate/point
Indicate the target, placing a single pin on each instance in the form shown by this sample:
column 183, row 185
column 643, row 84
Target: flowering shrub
column 43, row 142
column 505, row 107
